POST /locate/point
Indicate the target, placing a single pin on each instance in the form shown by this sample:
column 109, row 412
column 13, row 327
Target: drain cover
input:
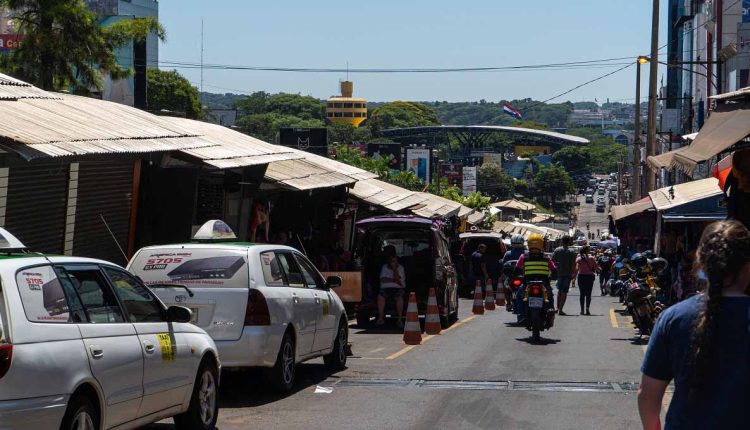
column 491, row 385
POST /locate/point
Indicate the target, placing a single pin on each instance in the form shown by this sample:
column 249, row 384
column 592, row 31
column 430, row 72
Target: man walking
column 565, row 260
column 478, row 264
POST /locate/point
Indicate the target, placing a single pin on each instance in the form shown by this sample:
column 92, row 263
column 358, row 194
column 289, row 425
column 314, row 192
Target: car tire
column 336, row 360
column 281, row 375
column 81, row 408
column 204, row 401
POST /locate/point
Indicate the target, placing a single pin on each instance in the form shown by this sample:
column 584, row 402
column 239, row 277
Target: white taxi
column 84, row 345
column 264, row 305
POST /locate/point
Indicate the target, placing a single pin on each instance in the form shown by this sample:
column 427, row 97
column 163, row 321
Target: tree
column 552, row 183
column 341, row 132
column 577, row 161
column 88, row 49
column 401, row 114
column 266, row 126
column 492, row 180
column 303, row 107
column 526, row 123
column 171, row 91
column 253, row 104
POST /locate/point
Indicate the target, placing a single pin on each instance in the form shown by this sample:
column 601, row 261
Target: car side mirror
column 333, row 282
column 179, row 314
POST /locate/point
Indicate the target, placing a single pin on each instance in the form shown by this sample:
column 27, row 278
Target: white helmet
column 516, row 241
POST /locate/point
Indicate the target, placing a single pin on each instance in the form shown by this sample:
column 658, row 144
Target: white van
column 264, row 305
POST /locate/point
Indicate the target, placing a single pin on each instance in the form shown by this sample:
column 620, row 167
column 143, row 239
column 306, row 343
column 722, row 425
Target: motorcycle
column 641, row 299
column 539, row 313
column 512, row 285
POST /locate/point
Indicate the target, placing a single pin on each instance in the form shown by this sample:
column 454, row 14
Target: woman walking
column 585, row 271
column 703, row 343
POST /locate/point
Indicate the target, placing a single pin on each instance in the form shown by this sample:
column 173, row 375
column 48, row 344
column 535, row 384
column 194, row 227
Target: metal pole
column 652, row 94
column 636, row 178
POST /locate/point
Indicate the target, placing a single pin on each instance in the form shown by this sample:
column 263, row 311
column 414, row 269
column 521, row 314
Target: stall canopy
column 437, row 207
column 313, row 171
column 727, row 125
column 396, row 199
column 700, row 200
column 514, row 204
column 657, row 162
column 624, row 211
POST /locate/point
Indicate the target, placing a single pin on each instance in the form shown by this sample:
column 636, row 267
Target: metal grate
column 613, row 387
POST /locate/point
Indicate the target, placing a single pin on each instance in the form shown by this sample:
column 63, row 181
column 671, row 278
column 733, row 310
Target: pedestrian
column 605, row 267
column 478, row 264
column 703, row 343
column 565, row 260
column 585, row 271
column 392, row 286
column 737, row 188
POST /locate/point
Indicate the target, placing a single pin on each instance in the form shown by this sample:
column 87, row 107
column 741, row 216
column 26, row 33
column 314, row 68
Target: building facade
column 346, row 108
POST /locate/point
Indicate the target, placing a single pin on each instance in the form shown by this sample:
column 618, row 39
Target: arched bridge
column 474, row 138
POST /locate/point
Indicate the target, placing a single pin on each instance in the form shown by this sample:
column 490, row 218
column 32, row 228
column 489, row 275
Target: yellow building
column 345, row 108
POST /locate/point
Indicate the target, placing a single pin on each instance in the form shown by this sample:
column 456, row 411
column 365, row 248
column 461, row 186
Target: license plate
column 536, row 302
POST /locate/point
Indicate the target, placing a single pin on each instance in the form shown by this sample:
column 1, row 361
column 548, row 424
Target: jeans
column 603, row 277
column 586, row 285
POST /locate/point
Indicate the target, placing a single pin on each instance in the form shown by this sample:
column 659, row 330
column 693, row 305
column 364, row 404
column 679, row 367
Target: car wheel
column 81, row 415
column 336, row 360
column 281, row 375
column 204, row 402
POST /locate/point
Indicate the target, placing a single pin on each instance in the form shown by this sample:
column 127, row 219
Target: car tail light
column 535, row 290
column 256, row 312
column 6, row 355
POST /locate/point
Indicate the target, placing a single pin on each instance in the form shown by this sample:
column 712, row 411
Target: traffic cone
column 500, row 299
column 412, row 331
column 489, row 296
column 432, row 319
column 478, row 308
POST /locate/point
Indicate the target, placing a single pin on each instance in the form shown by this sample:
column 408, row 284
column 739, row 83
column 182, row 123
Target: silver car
column 84, row 345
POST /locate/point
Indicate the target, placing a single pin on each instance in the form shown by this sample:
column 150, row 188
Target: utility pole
column 651, row 138
column 636, row 178
column 201, row 95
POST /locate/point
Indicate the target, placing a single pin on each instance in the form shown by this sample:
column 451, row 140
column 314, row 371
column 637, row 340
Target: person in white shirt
column 392, row 283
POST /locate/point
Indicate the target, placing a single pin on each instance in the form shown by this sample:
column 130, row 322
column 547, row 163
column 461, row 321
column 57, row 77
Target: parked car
column 84, row 344
column 422, row 248
column 589, row 198
column 265, row 306
column 469, row 244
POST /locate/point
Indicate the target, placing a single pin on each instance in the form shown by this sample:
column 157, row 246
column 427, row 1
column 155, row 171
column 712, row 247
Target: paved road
column 587, row 213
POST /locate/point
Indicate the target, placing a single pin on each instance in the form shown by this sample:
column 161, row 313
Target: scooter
column 641, row 301
column 539, row 312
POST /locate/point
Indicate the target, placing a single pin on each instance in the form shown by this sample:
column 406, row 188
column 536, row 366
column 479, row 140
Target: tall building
column 345, row 108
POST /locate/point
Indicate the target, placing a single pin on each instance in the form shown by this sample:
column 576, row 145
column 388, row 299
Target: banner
column 389, row 151
column 454, row 173
column 418, row 161
column 470, row 180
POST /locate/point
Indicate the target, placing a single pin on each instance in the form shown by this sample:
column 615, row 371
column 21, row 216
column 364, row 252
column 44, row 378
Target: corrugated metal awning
column 657, row 162
column 437, row 207
column 514, row 204
column 13, row 89
column 303, row 175
column 229, row 148
column 669, row 197
column 391, row 197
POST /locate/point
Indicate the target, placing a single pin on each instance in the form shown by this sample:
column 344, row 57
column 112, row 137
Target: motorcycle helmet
column 516, row 241
column 536, row 241
column 638, row 261
column 658, row 264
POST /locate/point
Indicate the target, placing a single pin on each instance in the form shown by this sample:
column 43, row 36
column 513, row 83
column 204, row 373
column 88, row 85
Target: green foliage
column 220, row 101
column 487, row 113
column 401, row 114
column 604, row 153
column 522, row 187
column 253, row 104
column 88, row 49
column 340, row 132
column 266, row 126
column 492, row 180
column 405, row 179
column 171, row 91
column 575, row 160
column 530, row 124
column 552, row 183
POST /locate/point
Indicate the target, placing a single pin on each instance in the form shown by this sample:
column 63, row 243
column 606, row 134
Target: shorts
column 392, row 293
column 563, row 284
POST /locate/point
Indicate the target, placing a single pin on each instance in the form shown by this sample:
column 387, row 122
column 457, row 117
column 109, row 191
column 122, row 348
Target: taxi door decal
column 167, row 347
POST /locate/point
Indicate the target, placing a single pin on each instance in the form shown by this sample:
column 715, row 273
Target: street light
column 642, row 59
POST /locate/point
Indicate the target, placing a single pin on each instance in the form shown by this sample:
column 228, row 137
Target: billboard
column 493, row 158
column 469, row 180
column 454, row 173
column 389, row 151
column 313, row 140
column 538, row 150
column 418, row 161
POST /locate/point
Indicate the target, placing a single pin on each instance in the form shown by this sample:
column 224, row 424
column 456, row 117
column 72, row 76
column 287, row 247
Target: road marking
column 408, row 348
column 613, row 318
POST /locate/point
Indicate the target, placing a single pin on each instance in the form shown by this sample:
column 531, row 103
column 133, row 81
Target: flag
column 510, row 110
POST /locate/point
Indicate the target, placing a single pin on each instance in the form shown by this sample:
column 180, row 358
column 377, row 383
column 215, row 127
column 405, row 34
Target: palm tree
column 64, row 46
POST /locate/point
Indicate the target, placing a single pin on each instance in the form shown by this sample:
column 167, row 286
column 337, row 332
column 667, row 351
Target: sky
column 397, row 34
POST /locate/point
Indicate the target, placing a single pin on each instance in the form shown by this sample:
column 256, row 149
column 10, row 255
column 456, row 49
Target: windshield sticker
column 167, row 347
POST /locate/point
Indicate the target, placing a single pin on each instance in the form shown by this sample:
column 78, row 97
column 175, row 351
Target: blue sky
column 412, row 34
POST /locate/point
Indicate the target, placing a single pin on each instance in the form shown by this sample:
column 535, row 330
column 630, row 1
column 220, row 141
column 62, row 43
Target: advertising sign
column 538, row 150
column 745, row 10
column 454, row 173
column 418, row 161
column 493, row 158
column 313, row 140
column 389, row 151
column 469, row 180
column 10, row 42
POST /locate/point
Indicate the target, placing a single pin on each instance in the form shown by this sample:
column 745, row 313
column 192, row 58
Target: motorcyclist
column 535, row 266
column 516, row 249
column 605, row 263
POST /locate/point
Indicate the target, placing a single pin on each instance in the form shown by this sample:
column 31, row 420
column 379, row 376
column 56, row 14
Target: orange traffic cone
column 432, row 319
column 478, row 308
column 489, row 296
column 500, row 299
column 412, row 331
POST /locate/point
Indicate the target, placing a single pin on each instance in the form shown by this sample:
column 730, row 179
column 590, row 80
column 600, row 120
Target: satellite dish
column 9, row 242
column 215, row 229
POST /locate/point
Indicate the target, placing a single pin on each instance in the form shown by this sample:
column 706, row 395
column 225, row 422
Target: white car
column 264, row 305
column 84, row 345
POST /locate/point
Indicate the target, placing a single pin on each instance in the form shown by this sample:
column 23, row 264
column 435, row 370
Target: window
column 292, row 270
column 348, row 114
column 141, row 305
column 329, row 114
column 44, row 299
column 97, row 298
column 337, row 115
column 329, row 104
column 3, row 323
column 357, row 115
column 337, row 105
column 348, row 105
column 358, row 105
column 271, row 269
column 311, row 275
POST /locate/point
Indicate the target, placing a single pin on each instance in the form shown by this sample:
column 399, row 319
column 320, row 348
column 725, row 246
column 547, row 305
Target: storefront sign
column 454, row 173
column 10, row 42
column 745, row 10
column 418, row 161
column 470, row 180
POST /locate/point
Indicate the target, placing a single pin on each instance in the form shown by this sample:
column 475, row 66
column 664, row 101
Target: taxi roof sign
column 9, row 242
column 215, row 229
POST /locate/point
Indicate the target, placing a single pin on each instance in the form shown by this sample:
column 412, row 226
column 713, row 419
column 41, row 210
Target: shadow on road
column 635, row 340
column 543, row 341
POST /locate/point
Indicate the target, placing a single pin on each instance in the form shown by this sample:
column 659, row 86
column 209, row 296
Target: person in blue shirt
column 703, row 343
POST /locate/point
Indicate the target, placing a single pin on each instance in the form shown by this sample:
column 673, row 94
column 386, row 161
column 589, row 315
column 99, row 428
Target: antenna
column 201, row 57
column 347, row 70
